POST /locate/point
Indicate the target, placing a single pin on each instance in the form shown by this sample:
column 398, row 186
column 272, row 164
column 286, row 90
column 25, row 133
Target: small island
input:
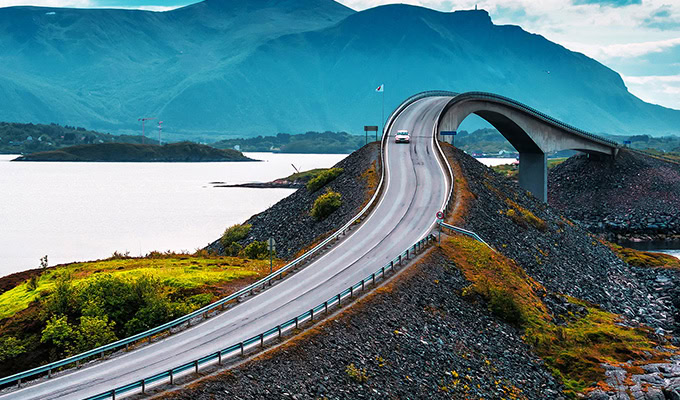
column 129, row 152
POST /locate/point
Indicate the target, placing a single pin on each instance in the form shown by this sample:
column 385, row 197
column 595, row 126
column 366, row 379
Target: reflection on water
column 671, row 247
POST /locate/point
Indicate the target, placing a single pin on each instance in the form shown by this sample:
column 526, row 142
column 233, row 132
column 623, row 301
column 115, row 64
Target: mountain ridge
column 218, row 69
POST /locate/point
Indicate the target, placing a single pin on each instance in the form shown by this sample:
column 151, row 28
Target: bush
column 10, row 347
column 325, row 204
column 233, row 250
column 256, row 250
column 504, row 306
column 323, row 178
column 234, row 233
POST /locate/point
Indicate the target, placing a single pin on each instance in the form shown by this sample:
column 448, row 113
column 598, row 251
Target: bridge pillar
column 533, row 174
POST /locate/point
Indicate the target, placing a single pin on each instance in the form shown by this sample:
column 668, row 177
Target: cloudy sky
column 640, row 39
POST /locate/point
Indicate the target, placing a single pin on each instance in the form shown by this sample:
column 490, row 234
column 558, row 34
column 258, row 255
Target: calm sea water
column 85, row 211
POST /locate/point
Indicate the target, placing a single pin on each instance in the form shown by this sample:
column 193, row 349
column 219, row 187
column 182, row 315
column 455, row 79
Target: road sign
column 371, row 128
column 271, row 244
column 440, row 215
column 448, row 133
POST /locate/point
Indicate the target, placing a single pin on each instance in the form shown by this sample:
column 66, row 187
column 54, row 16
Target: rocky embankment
column 417, row 338
column 424, row 336
column 289, row 221
column 563, row 256
column 632, row 197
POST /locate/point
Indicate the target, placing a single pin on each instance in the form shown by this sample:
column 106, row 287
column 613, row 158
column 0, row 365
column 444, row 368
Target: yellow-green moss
column 523, row 217
column 176, row 271
column 574, row 352
column 644, row 258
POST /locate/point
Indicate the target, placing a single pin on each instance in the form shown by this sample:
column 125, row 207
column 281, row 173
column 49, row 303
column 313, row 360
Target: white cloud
column 47, row 3
column 623, row 49
column 658, row 89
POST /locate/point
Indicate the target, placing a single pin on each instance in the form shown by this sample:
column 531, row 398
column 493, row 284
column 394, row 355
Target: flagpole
column 383, row 110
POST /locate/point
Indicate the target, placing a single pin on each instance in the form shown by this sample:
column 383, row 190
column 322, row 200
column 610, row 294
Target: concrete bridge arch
column 532, row 133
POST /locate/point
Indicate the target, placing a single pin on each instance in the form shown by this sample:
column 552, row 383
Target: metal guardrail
column 202, row 312
column 465, row 232
column 258, row 341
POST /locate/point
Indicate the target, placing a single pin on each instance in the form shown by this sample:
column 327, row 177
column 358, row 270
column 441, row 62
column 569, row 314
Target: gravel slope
column 630, row 196
column 565, row 258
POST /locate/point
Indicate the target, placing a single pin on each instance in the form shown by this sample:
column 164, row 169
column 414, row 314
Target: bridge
column 532, row 133
column 416, row 182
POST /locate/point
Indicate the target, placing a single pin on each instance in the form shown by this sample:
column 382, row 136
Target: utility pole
column 160, row 123
column 143, row 121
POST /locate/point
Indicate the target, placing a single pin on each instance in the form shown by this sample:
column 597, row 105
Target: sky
column 640, row 39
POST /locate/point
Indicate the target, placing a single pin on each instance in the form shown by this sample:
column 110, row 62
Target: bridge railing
column 258, row 341
column 203, row 312
column 499, row 99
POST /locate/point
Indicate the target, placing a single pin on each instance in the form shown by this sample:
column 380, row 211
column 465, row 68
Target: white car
column 402, row 136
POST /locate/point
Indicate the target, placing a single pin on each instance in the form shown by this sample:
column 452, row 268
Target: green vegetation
column 661, row 145
column 358, row 375
column 325, row 204
column 127, row 152
column 644, row 258
column 31, row 138
column 511, row 170
column 310, row 142
column 80, row 306
column 323, row 178
column 234, row 233
column 305, row 176
column 574, row 351
column 523, row 217
column 256, row 250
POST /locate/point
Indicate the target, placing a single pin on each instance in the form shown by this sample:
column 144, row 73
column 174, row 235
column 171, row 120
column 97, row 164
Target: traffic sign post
column 440, row 218
column 371, row 128
column 271, row 246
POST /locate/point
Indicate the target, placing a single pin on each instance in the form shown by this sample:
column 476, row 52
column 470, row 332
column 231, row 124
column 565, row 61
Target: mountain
column 231, row 68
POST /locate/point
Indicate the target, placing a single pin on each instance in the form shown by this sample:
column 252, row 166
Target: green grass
column 323, row 178
column 305, row 176
column 574, row 352
column 174, row 271
column 511, row 170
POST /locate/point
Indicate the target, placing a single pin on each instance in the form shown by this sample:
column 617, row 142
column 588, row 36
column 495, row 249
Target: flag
column 380, row 88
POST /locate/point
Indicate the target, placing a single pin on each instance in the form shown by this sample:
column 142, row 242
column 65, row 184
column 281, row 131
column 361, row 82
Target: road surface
column 415, row 190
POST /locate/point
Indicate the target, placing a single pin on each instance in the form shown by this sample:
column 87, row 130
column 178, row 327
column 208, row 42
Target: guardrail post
column 143, row 387
column 373, row 278
column 392, row 264
column 311, row 314
column 351, row 292
column 261, row 339
column 219, row 357
column 325, row 306
column 49, row 374
column 242, row 349
column 19, row 383
column 363, row 281
column 113, row 394
column 279, row 328
column 77, row 364
column 296, row 322
column 382, row 272
column 196, row 366
column 172, row 378
column 400, row 260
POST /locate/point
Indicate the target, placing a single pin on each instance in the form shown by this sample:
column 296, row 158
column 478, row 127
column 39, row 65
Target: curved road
column 416, row 189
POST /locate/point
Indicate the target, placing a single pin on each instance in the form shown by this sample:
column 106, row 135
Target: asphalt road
column 416, row 189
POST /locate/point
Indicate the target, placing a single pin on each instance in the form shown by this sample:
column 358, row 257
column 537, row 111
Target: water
column 492, row 162
column 85, row 211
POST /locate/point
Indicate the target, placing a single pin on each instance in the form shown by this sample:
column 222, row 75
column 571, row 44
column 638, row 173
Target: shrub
column 234, row 249
column 325, row 204
column 503, row 305
column 256, row 250
column 359, row 375
column 323, row 178
column 32, row 283
column 234, row 233
column 10, row 347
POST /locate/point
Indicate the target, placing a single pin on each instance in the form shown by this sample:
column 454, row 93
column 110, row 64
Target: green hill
column 128, row 152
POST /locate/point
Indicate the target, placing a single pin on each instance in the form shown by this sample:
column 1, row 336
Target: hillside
column 128, row 152
column 216, row 70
